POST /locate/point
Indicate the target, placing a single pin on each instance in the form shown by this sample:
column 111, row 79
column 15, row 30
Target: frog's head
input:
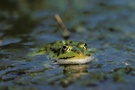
column 76, row 50
column 64, row 50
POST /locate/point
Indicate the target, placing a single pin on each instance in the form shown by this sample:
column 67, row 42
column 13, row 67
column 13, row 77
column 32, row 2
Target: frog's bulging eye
column 83, row 45
column 67, row 48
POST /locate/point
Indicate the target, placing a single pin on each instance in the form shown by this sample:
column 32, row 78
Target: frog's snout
column 77, row 51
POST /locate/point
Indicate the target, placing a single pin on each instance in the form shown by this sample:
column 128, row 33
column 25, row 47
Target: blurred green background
column 107, row 25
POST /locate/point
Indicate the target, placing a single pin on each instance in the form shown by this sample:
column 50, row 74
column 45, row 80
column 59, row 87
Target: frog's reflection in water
column 73, row 72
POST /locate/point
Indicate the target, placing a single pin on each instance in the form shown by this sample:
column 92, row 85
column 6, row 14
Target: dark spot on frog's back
column 70, row 41
column 73, row 50
column 53, row 49
column 58, row 52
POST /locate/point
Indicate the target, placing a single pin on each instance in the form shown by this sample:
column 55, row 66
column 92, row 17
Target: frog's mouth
column 80, row 56
column 74, row 60
column 67, row 57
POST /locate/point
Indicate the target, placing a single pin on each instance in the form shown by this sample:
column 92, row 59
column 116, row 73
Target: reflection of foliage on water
column 98, row 77
column 21, row 26
column 72, row 73
column 14, row 19
column 15, row 22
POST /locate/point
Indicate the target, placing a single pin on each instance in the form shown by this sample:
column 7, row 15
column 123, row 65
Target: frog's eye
column 83, row 45
column 67, row 48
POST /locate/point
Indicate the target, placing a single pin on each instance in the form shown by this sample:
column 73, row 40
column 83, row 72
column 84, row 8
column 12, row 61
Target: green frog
column 66, row 52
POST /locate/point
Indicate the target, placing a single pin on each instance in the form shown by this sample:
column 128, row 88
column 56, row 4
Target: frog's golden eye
column 83, row 45
column 67, row 48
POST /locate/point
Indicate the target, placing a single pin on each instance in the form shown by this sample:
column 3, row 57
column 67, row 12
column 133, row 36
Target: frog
column 66, row 52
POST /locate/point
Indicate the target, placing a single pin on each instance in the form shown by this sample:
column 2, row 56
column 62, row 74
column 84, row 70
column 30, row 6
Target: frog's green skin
column 66, row 52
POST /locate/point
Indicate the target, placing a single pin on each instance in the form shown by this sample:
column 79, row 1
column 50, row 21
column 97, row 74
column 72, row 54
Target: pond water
column 105, row 25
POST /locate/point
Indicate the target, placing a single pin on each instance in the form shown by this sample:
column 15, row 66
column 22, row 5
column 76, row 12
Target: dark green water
column 107, row 25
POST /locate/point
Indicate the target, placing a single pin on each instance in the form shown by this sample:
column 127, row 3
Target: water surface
column 105, row 25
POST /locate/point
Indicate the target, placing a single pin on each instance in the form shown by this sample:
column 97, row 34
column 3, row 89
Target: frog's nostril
column 79, row 52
